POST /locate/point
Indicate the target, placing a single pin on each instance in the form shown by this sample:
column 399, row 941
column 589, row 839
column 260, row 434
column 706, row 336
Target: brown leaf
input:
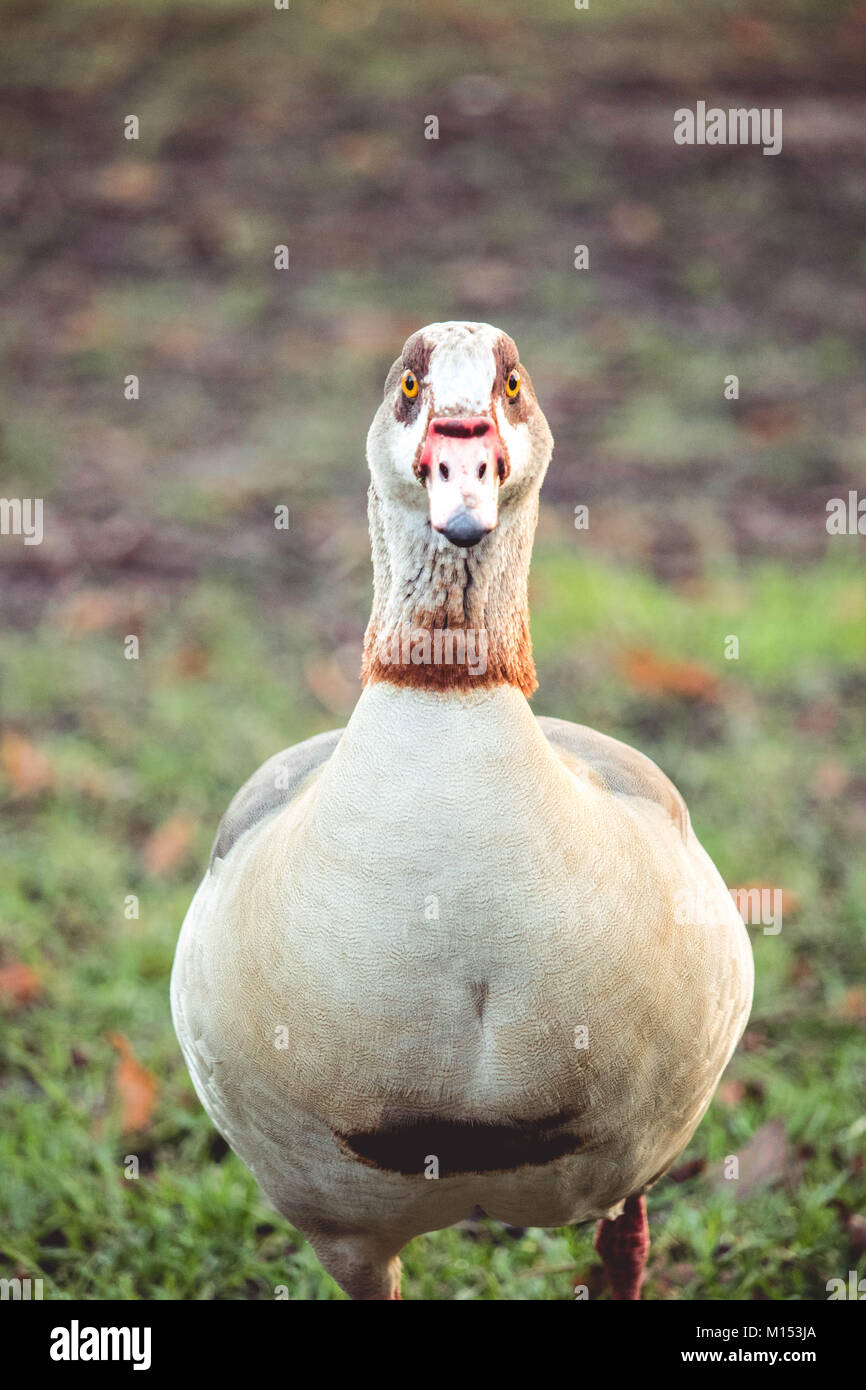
column 129, row 183
column 753, row 37
column 169, row 844
column 790, row 900
column 92, row 610
column 687, row 1170
column 664, row 676
column 191, row 663
column 730, row 1093
column 136, row 1086
column 19, row 984
column 763, row 1160
column 26, row 767
column 830, row 780
column 179, row 341
column 772, row 424
column 853, row 1004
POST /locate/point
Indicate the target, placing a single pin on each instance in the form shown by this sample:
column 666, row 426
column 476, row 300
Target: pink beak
column 463, row 463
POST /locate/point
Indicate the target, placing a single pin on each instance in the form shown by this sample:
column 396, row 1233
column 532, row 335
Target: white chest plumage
column 451, row 935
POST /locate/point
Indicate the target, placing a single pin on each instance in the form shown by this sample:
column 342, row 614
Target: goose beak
column 462, row 462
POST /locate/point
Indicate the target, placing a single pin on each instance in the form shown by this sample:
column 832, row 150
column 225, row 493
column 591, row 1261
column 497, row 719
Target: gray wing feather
column 626, row 771
column 274, row 785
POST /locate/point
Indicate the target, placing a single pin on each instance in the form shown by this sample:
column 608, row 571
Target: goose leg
column 624, row 1246
column 362, row 1271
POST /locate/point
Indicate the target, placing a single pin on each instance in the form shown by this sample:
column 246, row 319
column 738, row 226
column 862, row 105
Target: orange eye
column 409, row 382
column 512, row 385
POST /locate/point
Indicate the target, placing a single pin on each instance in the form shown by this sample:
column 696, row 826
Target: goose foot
column 624, row 1246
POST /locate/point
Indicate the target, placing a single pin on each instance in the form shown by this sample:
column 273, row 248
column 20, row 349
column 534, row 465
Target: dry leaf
column 129, row 183
column 772, row 424
column 730, row 1093
column 663, row 676
column 790, row 901
column 753, row 37
column 853, row 1005
column 26, row 767
column 763, row 1160
column 687, row 1170
column 19, row 984
column 169, row 844
column 191, row 662
column 830, row 780
column 93, row 610
column 136, row 1086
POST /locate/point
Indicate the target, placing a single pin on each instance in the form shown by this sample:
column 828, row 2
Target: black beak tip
column 462, row 529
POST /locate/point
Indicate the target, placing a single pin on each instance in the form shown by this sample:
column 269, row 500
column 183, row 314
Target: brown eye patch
column 414, row 364
column 512, row 384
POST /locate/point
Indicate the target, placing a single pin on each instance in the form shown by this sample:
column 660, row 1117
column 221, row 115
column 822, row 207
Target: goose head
column 457, row 452
column 459, row 437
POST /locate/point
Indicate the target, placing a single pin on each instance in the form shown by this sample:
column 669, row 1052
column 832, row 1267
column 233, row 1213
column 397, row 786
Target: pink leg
column 624, row 1245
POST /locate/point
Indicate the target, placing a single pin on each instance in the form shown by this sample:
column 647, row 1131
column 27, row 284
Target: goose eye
column 512, row 385
column 409, row 382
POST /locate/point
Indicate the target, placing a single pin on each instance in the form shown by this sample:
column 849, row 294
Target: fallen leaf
column 730, row 1093
column 830, row 780
column 136, row 1086
column 665, row 676
column 789, row 902
column 687, row 1170
column 169, row 844
column 92, row 610
column 19, row 984
column 753, row 37
column 179, row 341
column 129, row 183
column 853, row 1004
column 772, row 424
column 801, row 971
column 762, row 1161
column 191, row 662
column 26, row 767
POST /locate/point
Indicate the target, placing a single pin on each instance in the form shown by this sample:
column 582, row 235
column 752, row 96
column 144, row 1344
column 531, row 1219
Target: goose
column 440, row 959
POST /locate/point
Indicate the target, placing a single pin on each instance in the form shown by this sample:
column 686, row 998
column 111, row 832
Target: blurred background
column 707, row 519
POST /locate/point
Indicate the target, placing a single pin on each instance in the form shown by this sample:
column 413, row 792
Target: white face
column 459, row 435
